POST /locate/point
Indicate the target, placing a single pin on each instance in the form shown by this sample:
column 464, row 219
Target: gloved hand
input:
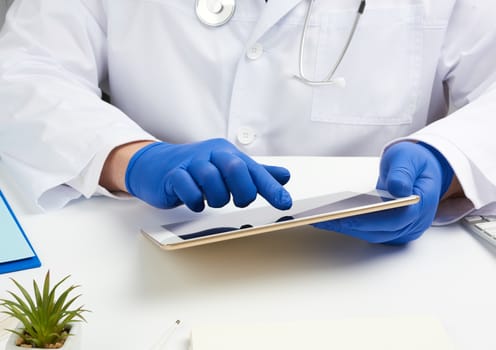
column 167, row 175
column 406, row 168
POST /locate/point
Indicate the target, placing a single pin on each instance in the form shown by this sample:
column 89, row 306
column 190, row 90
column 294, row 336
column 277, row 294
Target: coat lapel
column 275, row 10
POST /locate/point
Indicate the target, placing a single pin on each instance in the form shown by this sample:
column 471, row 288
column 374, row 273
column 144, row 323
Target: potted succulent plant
column 45, row 319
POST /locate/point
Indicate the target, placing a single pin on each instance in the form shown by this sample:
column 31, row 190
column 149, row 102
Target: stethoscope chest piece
column 214, row 13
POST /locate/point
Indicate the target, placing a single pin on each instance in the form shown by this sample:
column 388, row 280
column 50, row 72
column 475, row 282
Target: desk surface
column 136, row 291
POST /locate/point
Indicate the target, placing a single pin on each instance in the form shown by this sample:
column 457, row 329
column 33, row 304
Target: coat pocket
column 382, row 67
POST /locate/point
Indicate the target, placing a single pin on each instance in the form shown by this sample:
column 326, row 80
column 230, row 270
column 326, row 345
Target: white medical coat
column 172, row 78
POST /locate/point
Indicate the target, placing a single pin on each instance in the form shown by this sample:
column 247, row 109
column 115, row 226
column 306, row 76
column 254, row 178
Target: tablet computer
column 220, row 226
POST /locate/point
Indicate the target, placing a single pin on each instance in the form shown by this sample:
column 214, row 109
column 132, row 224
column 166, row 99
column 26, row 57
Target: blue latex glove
column 167, row 175
column 406, row 168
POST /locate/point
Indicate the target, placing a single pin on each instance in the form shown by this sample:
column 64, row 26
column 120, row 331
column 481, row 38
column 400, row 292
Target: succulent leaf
column 46, row 318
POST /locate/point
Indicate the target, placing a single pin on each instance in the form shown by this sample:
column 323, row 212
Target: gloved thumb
column 400, row 181
column 399, row 169
column 404, row 162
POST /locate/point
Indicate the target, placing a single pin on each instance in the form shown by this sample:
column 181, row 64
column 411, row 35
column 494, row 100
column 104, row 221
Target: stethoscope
column 215, row 13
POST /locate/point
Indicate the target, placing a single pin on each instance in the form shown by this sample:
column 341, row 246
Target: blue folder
column 16, row 252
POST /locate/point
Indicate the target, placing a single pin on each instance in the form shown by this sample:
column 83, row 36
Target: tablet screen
column 248, row 221
column 255, row 218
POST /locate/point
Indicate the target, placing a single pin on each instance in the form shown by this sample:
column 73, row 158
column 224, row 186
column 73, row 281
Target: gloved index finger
column 281, row 174
column 267, row 185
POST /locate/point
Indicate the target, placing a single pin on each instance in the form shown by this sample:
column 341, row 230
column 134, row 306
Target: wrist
column 455, row 190
column 114, row 169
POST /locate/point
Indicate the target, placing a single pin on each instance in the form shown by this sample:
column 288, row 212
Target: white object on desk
column 391, row 333
column 483, row 226
column 6, row 322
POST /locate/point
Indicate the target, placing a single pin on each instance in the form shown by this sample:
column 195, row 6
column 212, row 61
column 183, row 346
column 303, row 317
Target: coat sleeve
column 55, row 130
column 466, row 137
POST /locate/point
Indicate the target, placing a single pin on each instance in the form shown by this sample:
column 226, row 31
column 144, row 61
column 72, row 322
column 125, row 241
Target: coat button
column 246, row 135
column 255, row 52
column 215, row 6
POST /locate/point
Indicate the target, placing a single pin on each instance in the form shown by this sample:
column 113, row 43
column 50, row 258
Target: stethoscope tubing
column 222, row 11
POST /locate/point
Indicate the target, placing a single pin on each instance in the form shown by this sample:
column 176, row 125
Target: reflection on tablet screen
column 219, row 230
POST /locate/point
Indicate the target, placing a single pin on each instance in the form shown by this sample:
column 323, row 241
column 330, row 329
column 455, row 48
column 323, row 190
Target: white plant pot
column 73, row 342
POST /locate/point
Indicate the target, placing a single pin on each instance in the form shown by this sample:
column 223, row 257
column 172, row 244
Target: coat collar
column 274, row 11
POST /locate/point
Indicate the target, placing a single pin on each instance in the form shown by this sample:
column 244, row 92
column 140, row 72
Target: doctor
column 198, row 86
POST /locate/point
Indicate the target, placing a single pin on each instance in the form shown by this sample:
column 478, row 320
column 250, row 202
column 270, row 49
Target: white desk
column 135, row 290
